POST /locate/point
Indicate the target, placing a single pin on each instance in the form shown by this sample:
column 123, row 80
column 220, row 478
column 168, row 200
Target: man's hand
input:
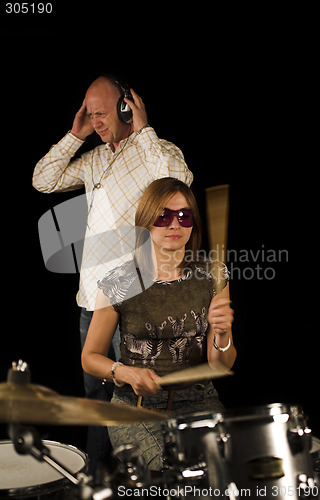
column 82, row 126
column 139, row 115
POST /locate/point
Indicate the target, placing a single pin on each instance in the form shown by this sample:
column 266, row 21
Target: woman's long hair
column 151, row 204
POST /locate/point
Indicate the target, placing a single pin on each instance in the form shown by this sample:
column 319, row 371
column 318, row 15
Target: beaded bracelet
column 114, row 366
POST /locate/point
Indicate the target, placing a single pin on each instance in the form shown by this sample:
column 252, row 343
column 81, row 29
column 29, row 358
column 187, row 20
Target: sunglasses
column 184, row 217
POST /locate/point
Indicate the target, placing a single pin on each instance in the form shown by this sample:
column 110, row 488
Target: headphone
column 123, row 109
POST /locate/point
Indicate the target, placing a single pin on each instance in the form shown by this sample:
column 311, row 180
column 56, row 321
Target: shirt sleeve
column 164, row 158
column 56, row 171
column 117, row 284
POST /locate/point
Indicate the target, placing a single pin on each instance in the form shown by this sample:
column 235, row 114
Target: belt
column 169, row 402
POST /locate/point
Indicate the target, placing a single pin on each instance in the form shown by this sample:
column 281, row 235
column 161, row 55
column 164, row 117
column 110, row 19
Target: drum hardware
column 298, row 431
column 26, row 440
column 191, row 453
column 315, row 456
column 239, row 450
column 222, row 439
column 22, row 402
column 261, row 451
column 233, row 492
column 268, row 448
column 133, row 478
column 264, row 468
column 131, row 471
column 305, row 486
column 296, row 439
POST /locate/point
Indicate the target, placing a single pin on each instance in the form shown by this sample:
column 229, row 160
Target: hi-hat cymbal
column 194, row 374
column 35, row 404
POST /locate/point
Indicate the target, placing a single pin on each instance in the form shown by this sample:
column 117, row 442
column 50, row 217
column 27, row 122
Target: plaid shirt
column 121, row 177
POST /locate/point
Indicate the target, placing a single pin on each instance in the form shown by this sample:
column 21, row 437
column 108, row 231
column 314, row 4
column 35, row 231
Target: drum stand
column 27, row 441
column 131, row 471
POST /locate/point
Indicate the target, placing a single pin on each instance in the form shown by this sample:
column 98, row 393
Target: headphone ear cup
column 123, row 109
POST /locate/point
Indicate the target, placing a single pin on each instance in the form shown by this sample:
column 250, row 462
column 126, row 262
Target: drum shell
column 266, row 449
column 191, row 443
column 22, row 476
column 315, row 456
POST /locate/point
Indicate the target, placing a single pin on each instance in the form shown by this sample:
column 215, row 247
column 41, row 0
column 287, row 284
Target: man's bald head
column 104, row 86
column 101, row 103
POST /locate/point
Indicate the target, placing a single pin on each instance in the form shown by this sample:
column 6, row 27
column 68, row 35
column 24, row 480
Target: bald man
column 114, row 175
column 98, row 113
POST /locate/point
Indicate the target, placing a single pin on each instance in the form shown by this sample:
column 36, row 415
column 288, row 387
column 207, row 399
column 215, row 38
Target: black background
column 230, row 89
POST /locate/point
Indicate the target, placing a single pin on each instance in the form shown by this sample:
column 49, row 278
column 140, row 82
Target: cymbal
column 36, row 404
column 194, row 374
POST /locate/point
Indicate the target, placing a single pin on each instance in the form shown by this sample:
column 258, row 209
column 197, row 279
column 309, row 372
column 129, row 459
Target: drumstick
column 217, row 210
column 194, row 374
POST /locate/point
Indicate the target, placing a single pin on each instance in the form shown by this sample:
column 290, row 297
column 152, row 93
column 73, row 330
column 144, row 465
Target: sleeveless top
column 163, row 326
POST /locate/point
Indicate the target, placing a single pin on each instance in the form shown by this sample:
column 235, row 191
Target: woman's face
column 173, row 236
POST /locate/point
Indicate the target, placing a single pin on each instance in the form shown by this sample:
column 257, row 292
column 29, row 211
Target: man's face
column 101, row 103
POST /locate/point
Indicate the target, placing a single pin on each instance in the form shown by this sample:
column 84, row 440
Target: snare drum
column 22, row 476
column 191, row 452
column 267, row 452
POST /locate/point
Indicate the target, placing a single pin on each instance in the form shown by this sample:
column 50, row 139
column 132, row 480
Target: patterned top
column 114, row 183
column 163, row 327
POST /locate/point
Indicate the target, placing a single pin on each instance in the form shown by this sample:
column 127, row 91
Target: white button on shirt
column 120, row 178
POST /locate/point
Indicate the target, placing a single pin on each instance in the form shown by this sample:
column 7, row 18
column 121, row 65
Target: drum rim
column 186, row 419
column 315, row 454
column 44, row 488
column 268, row 410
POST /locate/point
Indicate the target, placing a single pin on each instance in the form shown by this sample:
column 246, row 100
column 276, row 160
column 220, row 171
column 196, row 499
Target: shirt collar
column 130, row 139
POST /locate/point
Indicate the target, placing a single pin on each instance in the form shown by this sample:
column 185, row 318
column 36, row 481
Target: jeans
column 148, row 437
column 99, row 447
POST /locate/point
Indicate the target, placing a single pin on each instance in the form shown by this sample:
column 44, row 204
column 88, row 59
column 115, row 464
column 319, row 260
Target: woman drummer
column 170, row 315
